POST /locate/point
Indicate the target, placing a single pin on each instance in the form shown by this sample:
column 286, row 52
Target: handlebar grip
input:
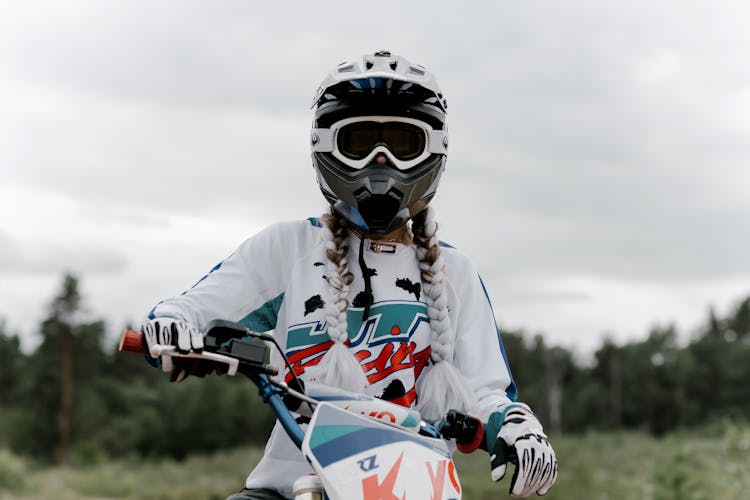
column 468, row 431
column 473, row 437
column 132, row 341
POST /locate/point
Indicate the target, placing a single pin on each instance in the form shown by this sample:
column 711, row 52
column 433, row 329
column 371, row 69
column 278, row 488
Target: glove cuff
column 497, row 418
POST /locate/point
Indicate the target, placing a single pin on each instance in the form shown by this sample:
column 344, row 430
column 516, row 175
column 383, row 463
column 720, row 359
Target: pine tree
column 56, row 373
column 11, row 365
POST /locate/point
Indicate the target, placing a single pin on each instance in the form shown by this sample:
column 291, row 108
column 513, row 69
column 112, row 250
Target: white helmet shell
column 382, row 65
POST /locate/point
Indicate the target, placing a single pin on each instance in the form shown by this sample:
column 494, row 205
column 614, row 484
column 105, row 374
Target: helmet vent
column 346, row 69
column 416, row 71
column 393, row 65
column 368, row 65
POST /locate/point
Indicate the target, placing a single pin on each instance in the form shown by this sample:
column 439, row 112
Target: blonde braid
column 432, row 269
column 338, row 367
column 338, row 277
column 441, row 387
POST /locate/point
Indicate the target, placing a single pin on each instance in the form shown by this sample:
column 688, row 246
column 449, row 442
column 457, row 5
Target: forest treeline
column 76, row 399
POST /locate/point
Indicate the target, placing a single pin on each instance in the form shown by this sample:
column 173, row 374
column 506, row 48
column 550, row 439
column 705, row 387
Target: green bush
column 12, row 472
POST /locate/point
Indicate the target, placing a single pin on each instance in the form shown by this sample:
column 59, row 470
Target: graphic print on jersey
column 413, row 288
column 391, row 345
column 313, row 303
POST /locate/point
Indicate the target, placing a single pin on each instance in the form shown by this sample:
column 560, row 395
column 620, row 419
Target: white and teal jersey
column 276, row 281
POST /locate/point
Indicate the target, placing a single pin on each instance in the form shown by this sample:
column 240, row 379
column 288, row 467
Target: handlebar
column 250, row 359
column 223, row 346
column 132, row 341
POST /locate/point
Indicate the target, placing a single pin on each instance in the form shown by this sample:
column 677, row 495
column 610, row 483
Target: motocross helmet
column 379, row 105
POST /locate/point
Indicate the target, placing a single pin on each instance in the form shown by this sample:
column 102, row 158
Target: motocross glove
column 170, row 331
column 536, row 465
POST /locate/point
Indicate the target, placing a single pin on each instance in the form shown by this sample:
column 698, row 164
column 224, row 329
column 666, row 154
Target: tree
column 63, row 308
column 60, row 366
column 716, row 368
column 12, row 363
column 12, row 366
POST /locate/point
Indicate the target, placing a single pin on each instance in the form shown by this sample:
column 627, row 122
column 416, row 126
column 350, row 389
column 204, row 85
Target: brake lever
column 158, row 350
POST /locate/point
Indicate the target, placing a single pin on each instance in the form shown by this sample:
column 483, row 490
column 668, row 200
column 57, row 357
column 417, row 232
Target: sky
column 598, row 175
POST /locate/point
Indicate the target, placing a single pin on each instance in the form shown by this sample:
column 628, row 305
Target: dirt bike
column 360, row 447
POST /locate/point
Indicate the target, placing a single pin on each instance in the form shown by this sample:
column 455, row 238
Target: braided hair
column 440, row 387
column 338, row 367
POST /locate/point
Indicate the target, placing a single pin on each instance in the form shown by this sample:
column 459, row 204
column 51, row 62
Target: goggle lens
column 404, row 140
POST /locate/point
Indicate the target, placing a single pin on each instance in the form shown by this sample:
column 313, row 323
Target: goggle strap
column 438, row 142
column 321, row 140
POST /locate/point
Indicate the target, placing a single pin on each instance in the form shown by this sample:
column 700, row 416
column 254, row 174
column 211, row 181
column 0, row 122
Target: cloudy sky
column 599, row 170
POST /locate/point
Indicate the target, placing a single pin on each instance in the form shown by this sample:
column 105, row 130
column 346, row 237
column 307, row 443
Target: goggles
column 355, row 142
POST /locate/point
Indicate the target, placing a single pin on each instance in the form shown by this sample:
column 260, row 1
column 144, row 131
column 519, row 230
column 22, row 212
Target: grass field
column 612, row 466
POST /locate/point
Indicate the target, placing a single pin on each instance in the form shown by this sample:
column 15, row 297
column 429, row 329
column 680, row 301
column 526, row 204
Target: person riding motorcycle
column 366, row 297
